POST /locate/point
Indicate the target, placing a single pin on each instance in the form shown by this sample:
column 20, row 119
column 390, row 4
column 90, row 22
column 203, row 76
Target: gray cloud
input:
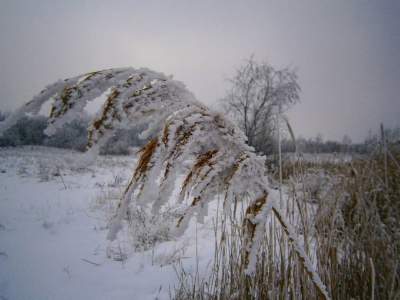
column 347, row 52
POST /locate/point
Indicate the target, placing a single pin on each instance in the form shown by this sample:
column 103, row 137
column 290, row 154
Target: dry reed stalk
column 65, row 97
column 249, row 226
column 372, row 278
column 303, row 259
column 146, row 153
column 202, row 161
column 109, row 114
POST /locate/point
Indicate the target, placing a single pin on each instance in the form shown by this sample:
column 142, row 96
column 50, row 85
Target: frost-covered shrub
column 147, row 229
column 72, row 135
column 26, row 131
column 316, row 185
column 122, row 141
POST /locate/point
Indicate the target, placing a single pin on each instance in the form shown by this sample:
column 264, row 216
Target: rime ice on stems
column 188, row 139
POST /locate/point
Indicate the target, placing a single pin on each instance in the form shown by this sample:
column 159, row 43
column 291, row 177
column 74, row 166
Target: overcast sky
column 347, row 52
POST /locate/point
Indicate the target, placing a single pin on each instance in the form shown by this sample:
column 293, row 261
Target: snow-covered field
column 53, row 232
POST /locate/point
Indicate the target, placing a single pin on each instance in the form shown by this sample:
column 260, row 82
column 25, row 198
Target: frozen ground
column 53, row 232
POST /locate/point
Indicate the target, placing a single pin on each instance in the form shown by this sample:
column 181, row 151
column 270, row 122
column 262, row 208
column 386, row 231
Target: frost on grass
column 187, row 139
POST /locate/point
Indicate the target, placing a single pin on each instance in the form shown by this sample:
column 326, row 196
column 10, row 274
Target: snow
column 93, row 107
column 45, row 109
column 53, row 238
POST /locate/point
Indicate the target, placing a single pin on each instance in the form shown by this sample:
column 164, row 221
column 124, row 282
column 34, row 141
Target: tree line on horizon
column 30, row 131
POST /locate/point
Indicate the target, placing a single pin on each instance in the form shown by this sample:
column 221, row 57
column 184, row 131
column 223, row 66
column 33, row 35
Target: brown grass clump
column 165, row 135
column 235, row 168
column 249, row 226
column 182, row 137
column 350, row 228
column 66, row 104
column 146, row 153
column 109, row 114
column 202, row 161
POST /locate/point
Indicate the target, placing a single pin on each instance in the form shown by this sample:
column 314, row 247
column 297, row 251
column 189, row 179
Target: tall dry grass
column 348, row 216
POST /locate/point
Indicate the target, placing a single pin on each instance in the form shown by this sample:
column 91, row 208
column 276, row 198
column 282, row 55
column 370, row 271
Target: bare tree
column 258, row 91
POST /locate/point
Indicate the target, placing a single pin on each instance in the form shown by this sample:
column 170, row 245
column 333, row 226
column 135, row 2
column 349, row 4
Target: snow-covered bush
column 122, row 141
column 26, row 131
column 189, row 141
column 72, row 135
column 147, row 229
